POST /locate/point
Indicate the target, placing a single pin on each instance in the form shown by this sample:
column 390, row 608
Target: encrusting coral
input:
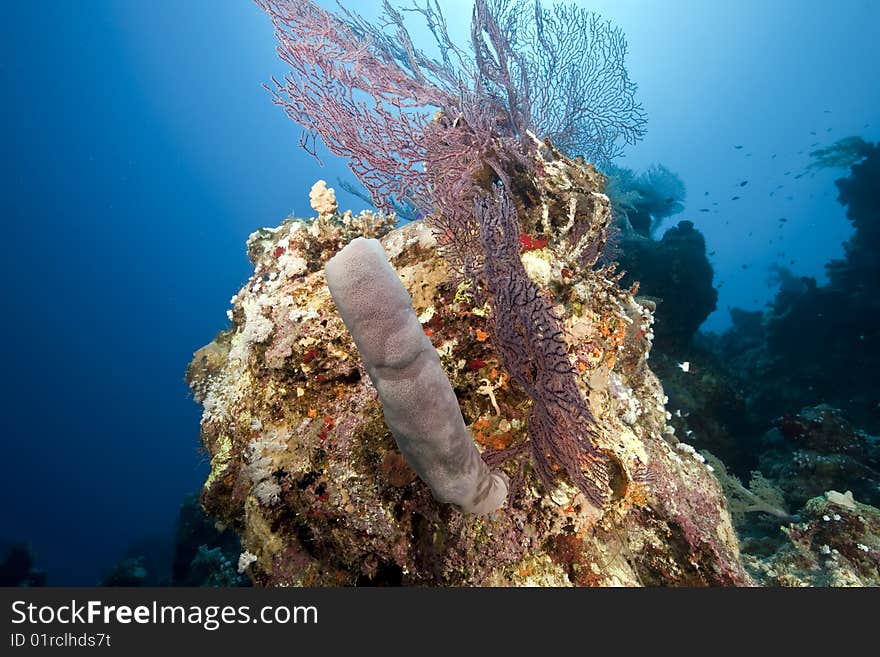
column 305, row 470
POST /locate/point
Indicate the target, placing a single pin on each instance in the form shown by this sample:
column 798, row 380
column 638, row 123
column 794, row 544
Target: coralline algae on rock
column 305, row 470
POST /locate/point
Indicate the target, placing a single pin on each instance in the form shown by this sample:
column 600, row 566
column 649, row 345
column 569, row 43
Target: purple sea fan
column 424, row 130
column 352, row 94
column 529, row 339
column 562, row 69
column 413, row 129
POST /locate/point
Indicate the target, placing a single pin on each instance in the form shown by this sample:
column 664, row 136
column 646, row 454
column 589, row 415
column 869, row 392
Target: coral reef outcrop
column 305, row 470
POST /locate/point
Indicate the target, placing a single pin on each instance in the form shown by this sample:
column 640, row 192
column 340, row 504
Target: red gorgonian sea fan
column 454, row 136
column 404, row 119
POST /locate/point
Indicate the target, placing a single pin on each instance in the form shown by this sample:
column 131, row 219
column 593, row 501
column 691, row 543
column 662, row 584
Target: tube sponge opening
column 418, row 402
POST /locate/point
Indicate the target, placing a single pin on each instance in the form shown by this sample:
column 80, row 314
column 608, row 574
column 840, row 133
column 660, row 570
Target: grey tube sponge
column 420, row 407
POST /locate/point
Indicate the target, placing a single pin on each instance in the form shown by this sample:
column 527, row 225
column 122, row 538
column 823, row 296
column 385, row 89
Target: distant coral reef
column 821, row 343
column 18, row 568
column 675, row 273
column 642, row 201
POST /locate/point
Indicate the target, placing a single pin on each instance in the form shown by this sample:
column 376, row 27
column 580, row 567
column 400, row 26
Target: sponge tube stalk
column 418, row 402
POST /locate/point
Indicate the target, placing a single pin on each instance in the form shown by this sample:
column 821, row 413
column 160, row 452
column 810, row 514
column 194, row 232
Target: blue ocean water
column 140, row 151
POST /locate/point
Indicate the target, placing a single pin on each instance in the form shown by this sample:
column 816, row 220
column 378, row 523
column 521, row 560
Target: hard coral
column 323, row 199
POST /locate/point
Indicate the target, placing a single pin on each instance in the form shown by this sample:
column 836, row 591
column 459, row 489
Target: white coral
column 323, row 199
column 257, row 328
column 245, row 559
column 538, row 267
column 260, row 465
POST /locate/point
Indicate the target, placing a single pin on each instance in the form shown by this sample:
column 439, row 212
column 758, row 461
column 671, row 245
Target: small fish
column 705, row 193
column 685, row 366
column 744, row 183
column 745, row 266
column 737, row 147
column 735, row 198
column 782, row 220
column 773, row 157
column 704, row 209
column 711, row 253
column 813, row 132
column 826, row 111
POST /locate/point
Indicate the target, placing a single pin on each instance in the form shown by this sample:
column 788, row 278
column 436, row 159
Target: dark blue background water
column 140, row 151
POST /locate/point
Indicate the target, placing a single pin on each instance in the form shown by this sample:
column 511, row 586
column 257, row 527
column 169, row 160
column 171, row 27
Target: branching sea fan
column 455, row 136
